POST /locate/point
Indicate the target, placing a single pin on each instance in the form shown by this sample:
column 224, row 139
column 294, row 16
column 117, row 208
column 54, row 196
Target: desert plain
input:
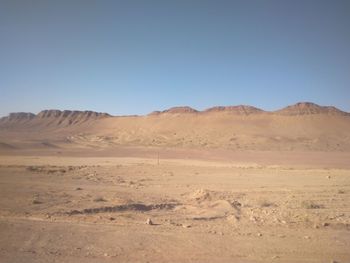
column 230, row 184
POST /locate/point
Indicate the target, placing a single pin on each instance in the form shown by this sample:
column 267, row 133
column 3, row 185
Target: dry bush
column 311, row 205
column 99, row 199
column 265, row 203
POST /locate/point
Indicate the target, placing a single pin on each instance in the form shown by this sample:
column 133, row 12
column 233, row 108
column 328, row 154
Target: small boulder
column 149, row 222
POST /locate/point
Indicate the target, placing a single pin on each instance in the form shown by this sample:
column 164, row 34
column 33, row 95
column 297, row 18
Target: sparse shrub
column 311, row 205
column 33, row 168
column 36, row 202
column 99, row 199
column 265, row 203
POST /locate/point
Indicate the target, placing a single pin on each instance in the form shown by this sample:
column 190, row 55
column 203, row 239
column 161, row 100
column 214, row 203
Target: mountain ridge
column 302, row 126
column 65, row 115
column 298, row 109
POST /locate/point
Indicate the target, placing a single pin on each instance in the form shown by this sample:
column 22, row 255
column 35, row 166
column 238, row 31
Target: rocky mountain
column 58, row 117
column 300, row 127
column 307, row 108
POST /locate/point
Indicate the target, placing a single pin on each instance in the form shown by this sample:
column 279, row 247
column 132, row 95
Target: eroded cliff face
column 58, row 117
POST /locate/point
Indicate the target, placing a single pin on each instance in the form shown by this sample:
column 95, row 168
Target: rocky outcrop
column 53, row 117
column 18, row 117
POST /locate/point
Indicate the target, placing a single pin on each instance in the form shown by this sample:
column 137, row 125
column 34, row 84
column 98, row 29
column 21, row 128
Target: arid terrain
column 228, row 184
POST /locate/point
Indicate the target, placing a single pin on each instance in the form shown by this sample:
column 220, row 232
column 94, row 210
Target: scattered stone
column 325, row 224
column 106, row 255
column 253, row 218
column 259, row 234
column 186, row 226
column 99, row 199
column 149, row 222
column 328, row 177
column 236, row 204
column 307, row 237
column 233, row 218
column 316, row 226
column 36, row 202
column 78, row 189
column 111, row 218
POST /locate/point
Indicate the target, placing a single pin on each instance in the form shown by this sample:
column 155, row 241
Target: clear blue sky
column 133, row 57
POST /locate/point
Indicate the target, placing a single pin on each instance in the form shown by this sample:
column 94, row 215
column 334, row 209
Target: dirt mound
column 201, row 195
column 204, row 204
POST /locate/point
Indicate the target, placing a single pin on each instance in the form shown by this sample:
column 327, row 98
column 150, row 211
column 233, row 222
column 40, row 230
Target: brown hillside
column 304, row 126
column 307, row 108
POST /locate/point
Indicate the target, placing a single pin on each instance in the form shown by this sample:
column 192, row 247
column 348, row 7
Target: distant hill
column 57, row 117
column 307, row 108
column 304, row 126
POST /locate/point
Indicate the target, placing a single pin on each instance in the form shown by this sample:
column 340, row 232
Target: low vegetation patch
column 265, row 203
column 99, row 199
column 311, row 205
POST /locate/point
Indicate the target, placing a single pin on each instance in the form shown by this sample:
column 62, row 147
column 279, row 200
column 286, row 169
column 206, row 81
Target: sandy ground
column 71, row 208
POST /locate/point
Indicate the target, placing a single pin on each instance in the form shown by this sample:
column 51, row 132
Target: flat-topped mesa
column 182, row 109
column 18, row 117
column 68, row 113
column 68, row 117
column 176, row 110
column 239, row 109
column 309, row 108
column 52, row 117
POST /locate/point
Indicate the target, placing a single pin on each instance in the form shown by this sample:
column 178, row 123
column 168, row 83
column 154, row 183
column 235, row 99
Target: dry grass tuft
column 311, row 205
column 99, row 199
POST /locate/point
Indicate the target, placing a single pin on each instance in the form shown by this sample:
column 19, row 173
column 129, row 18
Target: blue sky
column 133, row 57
